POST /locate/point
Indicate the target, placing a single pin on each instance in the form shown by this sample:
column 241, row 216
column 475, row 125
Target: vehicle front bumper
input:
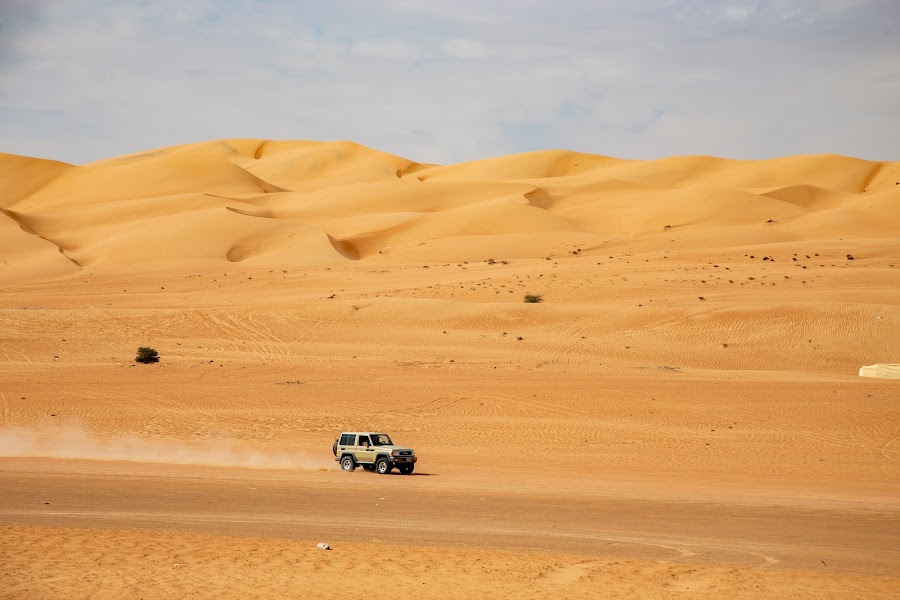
column 403, row 460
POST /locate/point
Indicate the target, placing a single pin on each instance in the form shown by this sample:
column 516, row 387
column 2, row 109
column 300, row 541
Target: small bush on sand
column 533, row 298
column 146, row 355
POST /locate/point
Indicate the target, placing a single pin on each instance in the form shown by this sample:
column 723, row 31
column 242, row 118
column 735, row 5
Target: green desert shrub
column 146, row 355
column 533, row 298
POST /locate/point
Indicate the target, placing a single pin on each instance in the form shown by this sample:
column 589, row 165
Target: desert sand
column 680, row 417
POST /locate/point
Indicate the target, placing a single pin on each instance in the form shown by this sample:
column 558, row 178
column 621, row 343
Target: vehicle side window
column 364, row 441
column 347, row 439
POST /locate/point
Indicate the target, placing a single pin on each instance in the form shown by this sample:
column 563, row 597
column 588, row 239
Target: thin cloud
column 446, row 82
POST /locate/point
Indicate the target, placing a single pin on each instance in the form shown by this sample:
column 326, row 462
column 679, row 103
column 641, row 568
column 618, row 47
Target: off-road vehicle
column 373, row 452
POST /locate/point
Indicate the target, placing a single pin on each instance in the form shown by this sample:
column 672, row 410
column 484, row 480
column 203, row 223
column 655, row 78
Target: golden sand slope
column 779, row 264
column 681, row 416
column 289, row 204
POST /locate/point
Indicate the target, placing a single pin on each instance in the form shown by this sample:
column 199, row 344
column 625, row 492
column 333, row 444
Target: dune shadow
column 345, row 248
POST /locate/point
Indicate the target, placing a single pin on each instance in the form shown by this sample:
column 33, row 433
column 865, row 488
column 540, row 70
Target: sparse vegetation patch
column 146, row 355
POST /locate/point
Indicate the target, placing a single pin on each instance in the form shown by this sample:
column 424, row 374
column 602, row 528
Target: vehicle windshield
column 380, row 439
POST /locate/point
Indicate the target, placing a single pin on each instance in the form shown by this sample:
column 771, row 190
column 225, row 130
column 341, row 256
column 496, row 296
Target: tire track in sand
column 234, row 332
column 886, row 451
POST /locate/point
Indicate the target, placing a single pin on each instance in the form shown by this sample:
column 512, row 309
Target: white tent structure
column 881, row 371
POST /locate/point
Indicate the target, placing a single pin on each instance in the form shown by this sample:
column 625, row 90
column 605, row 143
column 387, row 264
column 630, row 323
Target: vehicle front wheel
column 406, row 469
column 383, row 466
column 348, row 464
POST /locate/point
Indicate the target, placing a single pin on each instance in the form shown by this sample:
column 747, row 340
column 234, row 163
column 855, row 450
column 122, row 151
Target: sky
column 447, row 81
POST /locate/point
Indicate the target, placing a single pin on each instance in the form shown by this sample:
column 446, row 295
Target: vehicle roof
column 363, row 433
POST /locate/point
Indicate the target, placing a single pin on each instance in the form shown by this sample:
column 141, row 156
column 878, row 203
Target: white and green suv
column 373, row 452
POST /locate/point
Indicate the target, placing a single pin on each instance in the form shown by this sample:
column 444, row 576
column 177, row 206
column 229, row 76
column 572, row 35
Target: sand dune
column 532, row 165
column 324, row 202
column 633, row 231
column 25, row 255
column 21, row 176
column 681, row 414
column 310, row 166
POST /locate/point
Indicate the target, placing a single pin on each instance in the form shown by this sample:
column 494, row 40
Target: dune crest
column 293, row 203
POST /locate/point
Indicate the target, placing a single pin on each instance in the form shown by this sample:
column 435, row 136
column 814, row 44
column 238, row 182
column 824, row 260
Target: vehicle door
column 364, row 451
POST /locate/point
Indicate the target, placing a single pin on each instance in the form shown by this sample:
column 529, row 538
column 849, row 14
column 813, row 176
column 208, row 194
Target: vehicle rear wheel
column 334, row 448
column 383, row 466
column 406, row 469
column 348, row 464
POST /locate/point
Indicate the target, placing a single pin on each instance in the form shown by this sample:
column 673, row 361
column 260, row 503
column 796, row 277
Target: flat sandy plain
column 680, row 417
